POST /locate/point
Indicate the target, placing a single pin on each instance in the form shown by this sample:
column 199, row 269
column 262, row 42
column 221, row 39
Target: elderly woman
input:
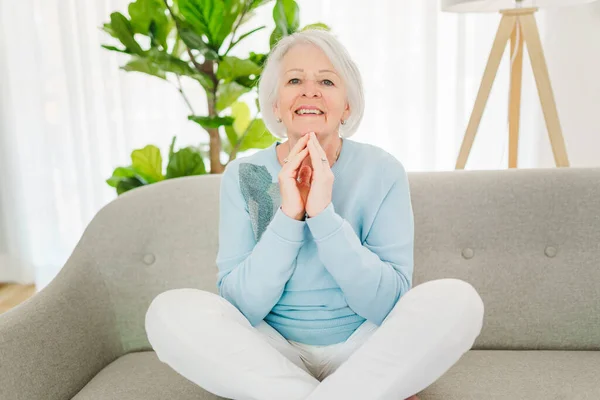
column 315, row 258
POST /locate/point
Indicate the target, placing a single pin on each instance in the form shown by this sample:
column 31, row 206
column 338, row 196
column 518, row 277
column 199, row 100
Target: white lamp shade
column 465, row 6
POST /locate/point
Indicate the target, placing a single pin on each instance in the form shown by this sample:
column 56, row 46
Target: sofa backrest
column 527, row 240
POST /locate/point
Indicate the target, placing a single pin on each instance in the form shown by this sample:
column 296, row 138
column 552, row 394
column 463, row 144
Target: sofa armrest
column 52, row 344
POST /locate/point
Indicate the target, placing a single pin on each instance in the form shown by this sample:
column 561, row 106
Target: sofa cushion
column 531, row 375
column 480, row 374
column 141, row 376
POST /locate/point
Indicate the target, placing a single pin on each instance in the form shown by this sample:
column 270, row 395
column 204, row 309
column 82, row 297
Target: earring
column 279, row 120
column 343, row 122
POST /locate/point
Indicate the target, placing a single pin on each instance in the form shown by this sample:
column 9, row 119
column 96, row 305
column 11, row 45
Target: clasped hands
column 305, row 189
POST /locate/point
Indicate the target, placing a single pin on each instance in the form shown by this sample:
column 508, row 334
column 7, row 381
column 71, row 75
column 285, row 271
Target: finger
column 300, row 144
column 315, row 156
column 322, row 151
column 320, row 148
column 295, row 161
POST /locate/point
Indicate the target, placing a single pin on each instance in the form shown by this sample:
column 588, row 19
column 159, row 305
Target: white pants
column 207, row 340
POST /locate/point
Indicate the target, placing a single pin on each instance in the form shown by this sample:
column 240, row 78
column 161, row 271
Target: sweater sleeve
column 252, row 275
column 374, row 275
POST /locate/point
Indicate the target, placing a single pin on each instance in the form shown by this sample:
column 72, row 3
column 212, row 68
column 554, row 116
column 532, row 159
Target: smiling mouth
column 313, row 112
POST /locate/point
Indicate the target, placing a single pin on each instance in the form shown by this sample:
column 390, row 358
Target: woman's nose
column 311, row 89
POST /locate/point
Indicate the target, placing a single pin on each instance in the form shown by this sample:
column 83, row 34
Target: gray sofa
column 528, row 240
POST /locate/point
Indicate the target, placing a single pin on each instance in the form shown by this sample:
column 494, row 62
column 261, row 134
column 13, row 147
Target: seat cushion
column 141, row 376
column 480, row 374
column 531, row 375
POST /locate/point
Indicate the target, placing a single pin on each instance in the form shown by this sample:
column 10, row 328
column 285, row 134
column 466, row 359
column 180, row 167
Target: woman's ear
column 346, row 113
column 276, row 111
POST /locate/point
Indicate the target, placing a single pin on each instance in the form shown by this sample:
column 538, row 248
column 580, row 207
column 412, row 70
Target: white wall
column 571, row 39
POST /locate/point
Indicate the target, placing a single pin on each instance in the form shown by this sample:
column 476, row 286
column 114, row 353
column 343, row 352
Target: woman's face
column 311, row 96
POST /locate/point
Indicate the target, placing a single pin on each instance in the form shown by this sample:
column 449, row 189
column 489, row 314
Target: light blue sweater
column 316, row 281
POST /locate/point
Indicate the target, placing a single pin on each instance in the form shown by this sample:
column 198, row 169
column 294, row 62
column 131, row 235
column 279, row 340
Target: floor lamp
column 517, row 24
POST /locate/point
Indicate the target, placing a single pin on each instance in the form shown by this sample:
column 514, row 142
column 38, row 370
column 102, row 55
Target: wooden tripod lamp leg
column 542, row 79
column 514, row 105
column 502, row 35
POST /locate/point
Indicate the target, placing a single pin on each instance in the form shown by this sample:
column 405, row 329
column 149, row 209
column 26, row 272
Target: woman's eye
column 292, row 81
column 327, row 82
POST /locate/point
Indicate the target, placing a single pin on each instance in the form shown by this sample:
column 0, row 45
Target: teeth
column 305, row 111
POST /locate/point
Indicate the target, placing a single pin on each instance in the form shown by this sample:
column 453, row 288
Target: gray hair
column 338, row 55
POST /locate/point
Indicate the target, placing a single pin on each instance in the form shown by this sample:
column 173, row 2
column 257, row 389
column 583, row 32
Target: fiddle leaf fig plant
column 175, row 40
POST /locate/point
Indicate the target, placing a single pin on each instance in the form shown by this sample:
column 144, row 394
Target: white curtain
column 69, row 115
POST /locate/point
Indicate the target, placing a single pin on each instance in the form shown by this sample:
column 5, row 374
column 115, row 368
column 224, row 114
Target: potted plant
column 192, row 39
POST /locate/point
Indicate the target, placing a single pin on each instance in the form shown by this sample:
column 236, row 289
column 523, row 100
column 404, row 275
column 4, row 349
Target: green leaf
column 233, row 9
column 153, row 34
column 232, row 136
column 144, row 65
column 258, row 137
column 194, row 41
column 248, row 82
column 108, row 29
column 124, row 179
column 148, row 18
column 276, row 35
column 128, row 184
column 231, row 68
column 113, row 48
column 211, row 122
column 258, row 59
column 257, row 3
column 119, row 174
column 318, row 25
column 185, row 162
column 241, row 113
column 159, row 63
column 227, row 93
column 206, row 17
column 168, row 63
column 148, row 163
column 198, row 14
column 286, row 15
column 213, row 19
column 122, row 30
